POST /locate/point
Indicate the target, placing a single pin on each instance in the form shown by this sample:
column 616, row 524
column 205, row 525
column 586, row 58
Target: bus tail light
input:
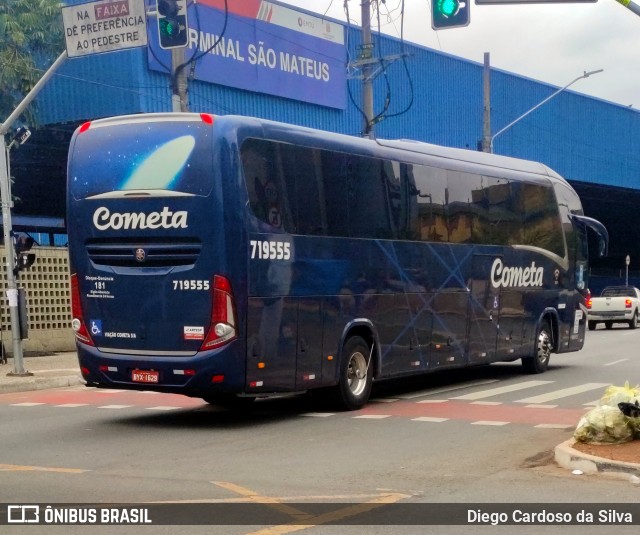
column 77, row 323
column 222, row 328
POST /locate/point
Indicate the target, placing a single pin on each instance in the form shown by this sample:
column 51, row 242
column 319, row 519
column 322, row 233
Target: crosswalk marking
column 474, row 396
column 563, row 393
column 489, row 422
column 460, row 386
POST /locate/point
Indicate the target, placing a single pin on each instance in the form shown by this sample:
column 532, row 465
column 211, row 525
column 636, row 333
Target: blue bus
column 230, row 258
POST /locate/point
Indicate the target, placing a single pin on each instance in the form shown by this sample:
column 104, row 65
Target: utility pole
column 486, row 99
column 7, row 204
column 366, row 54
column 179, row 100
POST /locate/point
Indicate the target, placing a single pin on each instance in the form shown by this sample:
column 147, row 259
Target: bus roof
column 288, row 132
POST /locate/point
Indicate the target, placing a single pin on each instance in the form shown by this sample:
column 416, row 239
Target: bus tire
column 356, row 375
column 539, row 362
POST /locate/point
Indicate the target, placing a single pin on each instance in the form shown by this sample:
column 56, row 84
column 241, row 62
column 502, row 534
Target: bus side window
column 302, row 174
column 367, row 197
column 429, row 198
column 542, row 227
column 263, row 176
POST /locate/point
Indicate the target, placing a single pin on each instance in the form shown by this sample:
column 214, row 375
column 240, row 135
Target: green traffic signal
column 449, row 13
column 448, row 7
column 169, row 28
column 172, row 23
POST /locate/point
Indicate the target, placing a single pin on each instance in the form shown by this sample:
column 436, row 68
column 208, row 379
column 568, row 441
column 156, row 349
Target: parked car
column 616, row 304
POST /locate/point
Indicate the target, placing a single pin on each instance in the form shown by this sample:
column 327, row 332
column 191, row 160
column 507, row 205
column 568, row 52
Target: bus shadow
column 267, row 411
column 263, row 412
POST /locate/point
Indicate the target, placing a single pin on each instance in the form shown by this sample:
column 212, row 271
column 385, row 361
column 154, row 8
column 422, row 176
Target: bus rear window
column 172, row 156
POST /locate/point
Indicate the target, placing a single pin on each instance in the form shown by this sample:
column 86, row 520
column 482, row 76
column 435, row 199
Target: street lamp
column 585, row 75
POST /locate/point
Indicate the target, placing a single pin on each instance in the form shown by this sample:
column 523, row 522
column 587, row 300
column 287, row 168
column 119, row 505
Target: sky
column 551, row 43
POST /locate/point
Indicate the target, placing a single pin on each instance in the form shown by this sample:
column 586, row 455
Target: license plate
column 145, row 376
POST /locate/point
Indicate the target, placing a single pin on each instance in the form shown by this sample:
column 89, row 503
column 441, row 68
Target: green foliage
column 31, row 37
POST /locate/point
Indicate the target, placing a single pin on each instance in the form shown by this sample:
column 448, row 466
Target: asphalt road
column 477, row 436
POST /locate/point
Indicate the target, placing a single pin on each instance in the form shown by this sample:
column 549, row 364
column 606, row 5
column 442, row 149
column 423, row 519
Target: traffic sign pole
column 5, row 190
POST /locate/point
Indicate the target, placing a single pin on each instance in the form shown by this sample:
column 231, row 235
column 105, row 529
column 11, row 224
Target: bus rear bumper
column 203, row 374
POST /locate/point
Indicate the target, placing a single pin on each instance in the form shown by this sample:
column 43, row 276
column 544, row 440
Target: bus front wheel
column 354, row 384
column 539, row 362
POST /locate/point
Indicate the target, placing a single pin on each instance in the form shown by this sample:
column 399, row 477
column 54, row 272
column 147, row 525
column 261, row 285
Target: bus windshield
column 171, row 157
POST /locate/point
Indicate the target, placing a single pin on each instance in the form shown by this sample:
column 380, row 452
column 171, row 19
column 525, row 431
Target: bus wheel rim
column 357, row 373
column 544, row 346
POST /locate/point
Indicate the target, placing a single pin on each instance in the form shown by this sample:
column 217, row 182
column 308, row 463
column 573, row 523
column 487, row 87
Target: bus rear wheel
column 539, row 362
column 356, row 375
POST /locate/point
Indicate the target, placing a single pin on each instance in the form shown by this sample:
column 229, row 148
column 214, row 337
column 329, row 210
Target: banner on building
column 264, row 47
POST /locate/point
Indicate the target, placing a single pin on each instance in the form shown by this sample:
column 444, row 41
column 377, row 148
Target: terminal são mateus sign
column 105, row 26
column 265, row 47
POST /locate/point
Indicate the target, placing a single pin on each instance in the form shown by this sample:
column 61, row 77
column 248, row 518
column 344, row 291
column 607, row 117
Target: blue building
column 422, row 94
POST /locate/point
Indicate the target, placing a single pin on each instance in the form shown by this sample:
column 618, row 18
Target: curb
column 40, row 383
column 572, row 459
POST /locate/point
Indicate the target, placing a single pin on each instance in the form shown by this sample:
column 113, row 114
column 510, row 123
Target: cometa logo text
column 103, row 219
column 510, row 277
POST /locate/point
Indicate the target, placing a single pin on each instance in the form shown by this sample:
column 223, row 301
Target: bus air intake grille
column 144, row 254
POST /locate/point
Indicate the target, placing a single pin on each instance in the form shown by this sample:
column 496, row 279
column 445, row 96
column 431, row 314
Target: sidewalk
column 61, row 370
column 49, row 371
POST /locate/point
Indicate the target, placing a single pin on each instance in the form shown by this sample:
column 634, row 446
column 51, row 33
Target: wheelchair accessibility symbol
column 96, row 327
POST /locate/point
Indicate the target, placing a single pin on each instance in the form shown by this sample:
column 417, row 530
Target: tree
column 31, row 37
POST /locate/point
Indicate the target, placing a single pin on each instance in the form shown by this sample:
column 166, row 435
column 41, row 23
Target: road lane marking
column 318, row 414
column 298, row 515
column 114, row 406
column 429, row 419
column 563, row 393
column 26, row 404
column 461, row 386
column 501, row 390
column 21, row 468
column 553, row 426
column 162, row 408
column 489, row 422
column 72, row 405
column 615, row 362
column 372, row 416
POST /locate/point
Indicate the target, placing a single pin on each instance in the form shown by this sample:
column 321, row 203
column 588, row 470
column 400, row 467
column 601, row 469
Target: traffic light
column 173, row 31
column 22, row 244
column 449, row 13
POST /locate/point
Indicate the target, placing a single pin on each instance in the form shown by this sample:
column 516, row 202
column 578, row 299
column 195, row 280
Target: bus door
column 272, row 323
column 285, row 344
column 510, row 341
column 484, row 311
column 449, row 328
